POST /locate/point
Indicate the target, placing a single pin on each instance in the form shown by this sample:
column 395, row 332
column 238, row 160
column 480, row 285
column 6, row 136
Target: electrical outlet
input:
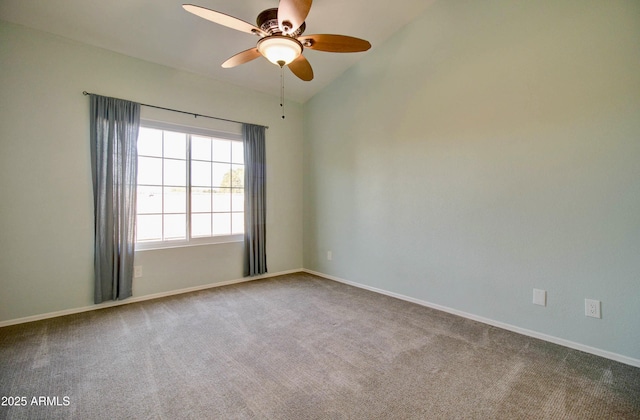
column 592, row 308
column 329, row 255
column 137, row 271
column 539, row 297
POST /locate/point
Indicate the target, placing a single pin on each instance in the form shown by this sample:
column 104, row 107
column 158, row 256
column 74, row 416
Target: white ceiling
column 162, row 32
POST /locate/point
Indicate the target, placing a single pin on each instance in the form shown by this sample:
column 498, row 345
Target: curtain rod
column 186, row 112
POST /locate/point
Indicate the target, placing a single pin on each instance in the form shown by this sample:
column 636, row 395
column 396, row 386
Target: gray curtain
column 255, row 205
column 114, row 125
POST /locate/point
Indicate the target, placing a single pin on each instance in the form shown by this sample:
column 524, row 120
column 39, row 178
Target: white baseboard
column 566, row 343
column 135, row 299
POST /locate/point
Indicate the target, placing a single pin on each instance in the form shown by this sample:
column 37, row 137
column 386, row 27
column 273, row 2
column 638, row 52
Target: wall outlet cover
column 539, row 297
column 592, row 308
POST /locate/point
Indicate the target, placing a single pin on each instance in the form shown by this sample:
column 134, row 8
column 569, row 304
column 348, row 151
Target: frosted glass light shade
column 280, row 49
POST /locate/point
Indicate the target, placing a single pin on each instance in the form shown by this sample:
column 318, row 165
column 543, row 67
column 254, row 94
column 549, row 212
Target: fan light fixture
column 279, row 49
column 281, row 43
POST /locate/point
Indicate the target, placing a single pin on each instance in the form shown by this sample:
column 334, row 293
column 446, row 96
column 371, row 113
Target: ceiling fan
column 281, row 42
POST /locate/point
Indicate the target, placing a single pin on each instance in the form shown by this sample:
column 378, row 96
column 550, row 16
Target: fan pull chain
column 282, row 88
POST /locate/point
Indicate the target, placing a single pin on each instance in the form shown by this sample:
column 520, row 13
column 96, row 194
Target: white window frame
column 189, row 241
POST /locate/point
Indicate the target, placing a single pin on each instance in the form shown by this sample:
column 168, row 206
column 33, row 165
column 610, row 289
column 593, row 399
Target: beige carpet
column 299, row 347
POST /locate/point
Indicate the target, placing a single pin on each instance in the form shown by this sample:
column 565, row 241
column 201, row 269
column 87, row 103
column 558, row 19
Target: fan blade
column 292, row 13
column 334, row 43
column 241, row 58
column 301, row 68
column 224, row 20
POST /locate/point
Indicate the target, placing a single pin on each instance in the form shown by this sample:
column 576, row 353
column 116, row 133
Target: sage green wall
column 489, row 148
column 46, row 204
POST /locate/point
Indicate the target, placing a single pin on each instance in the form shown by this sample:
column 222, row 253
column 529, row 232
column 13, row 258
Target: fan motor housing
column 268, row 21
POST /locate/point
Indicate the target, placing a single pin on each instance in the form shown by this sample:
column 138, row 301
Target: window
column 190, row 186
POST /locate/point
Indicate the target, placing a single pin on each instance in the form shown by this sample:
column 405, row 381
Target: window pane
column 237, row 152
column 149, row 228
column 175, row 172
column 221, row 150
column 201, row 174
column 175, row 226
column 149, row 171
column 200, row 200
column 175, row 200
column 149, row 200
column 175, row 145
column 150, row 142
column 201, row 225
column 210, row 185
column 237, row 178
column 222, row 223
column 237, row 223
column 221, row 175
column 237, row 201
column 221, row 200
column 200, row 148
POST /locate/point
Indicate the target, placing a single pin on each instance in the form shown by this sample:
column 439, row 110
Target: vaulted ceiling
column 162, row 32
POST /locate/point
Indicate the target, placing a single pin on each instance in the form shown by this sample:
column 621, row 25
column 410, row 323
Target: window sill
column 154, row 246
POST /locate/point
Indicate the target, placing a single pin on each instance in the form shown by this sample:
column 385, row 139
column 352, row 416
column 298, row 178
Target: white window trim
column 199, row 241
column 179, row 243
column 201, row 131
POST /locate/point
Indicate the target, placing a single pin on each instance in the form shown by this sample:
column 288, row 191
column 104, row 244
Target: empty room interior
column 450, row 207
